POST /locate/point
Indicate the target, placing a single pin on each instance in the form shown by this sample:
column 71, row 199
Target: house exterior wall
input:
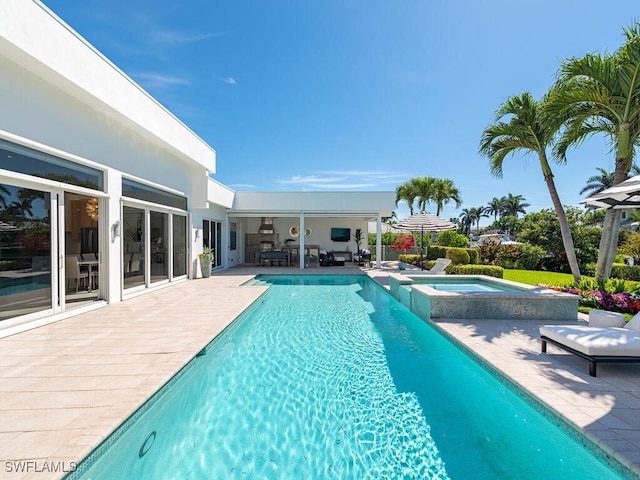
column 61, row 96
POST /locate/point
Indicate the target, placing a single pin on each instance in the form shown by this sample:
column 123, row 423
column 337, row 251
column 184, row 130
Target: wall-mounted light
column 115, row 229
column 197, row 235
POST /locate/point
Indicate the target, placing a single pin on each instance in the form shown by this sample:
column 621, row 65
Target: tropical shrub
column 631, row 246
column 436, row 251
column 402, row 243
column 615, row 295
column 488, row 252
column 451, row 238
column 626, row 272
column 458, row 256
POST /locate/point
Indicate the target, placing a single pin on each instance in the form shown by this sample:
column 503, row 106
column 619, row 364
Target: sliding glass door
column 133, row 251
column 154, row 246
column 212, row 238
column 26, row 285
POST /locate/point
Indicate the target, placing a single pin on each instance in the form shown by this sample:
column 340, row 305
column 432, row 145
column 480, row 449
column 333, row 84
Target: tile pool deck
column 65, row 386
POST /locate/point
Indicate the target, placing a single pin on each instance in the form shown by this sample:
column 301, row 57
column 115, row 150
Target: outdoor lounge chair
column 606, row 344
column 439, row 267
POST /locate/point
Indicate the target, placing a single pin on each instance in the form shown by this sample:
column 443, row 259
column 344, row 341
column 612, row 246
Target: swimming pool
column 332, row 378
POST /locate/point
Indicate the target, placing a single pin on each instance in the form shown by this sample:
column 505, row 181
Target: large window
column 32, row 162
column 25, row 251
column 147, row 193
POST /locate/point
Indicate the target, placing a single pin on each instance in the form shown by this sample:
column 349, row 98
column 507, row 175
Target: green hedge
column 438, row 251
column 490, row 270
column 458, row 256
column 619, row 270
column 626, row 272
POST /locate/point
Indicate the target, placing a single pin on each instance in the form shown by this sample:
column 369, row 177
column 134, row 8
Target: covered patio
column 294, row 229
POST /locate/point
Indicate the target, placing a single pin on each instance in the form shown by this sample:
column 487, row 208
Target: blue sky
column 362, row 95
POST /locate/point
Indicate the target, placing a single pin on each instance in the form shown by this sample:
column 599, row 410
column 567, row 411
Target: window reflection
column 179, row 245
column 25, row 251
column 159, row 240
column 133, row 234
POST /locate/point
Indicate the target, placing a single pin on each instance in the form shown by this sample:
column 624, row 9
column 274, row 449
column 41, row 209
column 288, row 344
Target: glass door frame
column 56, row 237
column 148, row 208
column 214, row 239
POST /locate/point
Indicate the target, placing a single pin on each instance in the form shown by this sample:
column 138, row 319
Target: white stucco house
column 105, row 194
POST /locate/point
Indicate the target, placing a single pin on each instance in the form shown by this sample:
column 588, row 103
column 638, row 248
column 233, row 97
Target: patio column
column 301, row 237
column 379, row 241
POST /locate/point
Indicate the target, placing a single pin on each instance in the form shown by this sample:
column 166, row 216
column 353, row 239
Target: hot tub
column 480, row 296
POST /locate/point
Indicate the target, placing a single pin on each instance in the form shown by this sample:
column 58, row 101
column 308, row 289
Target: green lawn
column 534, row 277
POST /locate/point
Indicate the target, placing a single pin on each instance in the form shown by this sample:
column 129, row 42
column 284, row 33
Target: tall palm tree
column 467, row 219
column 601, row 94
column 407, row 193
column 513, row 205
column 495, row 207
column 481, row 212
column 597, row 183
column 424, row 187
column 527, row 130
column 443, row 192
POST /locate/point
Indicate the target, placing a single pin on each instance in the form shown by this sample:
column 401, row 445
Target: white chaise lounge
column 606, row 344
column 439, row 267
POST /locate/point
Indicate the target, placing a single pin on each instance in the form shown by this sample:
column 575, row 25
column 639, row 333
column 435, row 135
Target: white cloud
column 171, row 37
column 229, row 80
column 342, row 186
column 299, row 180
column 159, row 80
column 342, row 180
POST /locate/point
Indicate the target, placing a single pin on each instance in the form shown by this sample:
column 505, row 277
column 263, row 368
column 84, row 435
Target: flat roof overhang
column 32, row 36
column 313, row 204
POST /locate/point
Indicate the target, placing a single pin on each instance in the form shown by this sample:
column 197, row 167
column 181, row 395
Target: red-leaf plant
column 403, row 242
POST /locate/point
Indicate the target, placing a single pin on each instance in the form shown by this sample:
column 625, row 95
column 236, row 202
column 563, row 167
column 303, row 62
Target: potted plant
column 404, row 243
column 357, row 236
column 206, row 258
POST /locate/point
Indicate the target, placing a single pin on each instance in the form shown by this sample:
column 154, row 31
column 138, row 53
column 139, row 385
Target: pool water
column 332, row 378
column 466, row 286
column 10, row 286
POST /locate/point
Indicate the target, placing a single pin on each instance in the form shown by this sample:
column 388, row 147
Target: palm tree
column 443, row 192
column 597, row 183
column 424, row 188
column 528, row 130
column 480, row 212
column 407, row 193
column 601, row 94
column 512, row 205
column 495, row 207
column 467, row 219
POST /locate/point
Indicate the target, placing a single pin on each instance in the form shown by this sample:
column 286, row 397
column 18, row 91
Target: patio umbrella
column 623, row 195
column 425, row 222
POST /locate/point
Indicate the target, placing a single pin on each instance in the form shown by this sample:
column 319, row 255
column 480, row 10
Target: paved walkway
column 64, row 387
